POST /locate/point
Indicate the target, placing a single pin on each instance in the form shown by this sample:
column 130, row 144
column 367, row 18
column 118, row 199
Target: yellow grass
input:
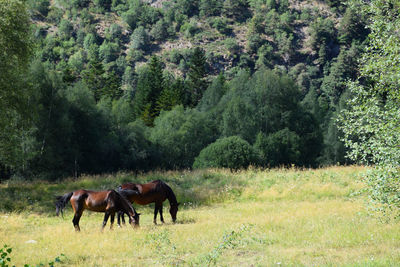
column 285, row 218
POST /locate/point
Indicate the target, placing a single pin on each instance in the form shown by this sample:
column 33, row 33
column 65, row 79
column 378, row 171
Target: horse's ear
column 178, row 204
column 138, row 213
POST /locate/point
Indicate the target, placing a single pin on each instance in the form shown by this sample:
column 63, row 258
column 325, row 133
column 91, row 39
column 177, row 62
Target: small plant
column 229, row 240
column 5, row 256
column 5, row 259
column 163, row 244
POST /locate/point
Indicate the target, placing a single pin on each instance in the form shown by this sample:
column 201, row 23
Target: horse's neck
column 125, row 205
column 171, row 196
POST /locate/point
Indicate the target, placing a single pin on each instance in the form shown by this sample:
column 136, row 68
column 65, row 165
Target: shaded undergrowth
column 194, row 188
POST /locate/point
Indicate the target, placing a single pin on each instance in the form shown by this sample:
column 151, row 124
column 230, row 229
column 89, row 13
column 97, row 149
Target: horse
column 109, row 202
column 156, row 191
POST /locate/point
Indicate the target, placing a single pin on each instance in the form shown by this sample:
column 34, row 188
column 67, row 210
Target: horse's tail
column 61, row 201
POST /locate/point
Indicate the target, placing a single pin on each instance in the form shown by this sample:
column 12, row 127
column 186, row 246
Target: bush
column 279, row 148
column 221, row 24
column 229, row 152
column 140, row 39
column 39, row 7
column 189, row 29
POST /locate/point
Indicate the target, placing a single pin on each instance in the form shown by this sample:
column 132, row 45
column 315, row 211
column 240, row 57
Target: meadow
column 279, row 217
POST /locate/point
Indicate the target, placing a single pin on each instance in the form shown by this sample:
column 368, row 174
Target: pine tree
column 149, row 87
column 197, row 74
column 93, row 77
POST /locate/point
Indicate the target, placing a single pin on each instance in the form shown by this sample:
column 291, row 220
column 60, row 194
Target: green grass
column 250, row 218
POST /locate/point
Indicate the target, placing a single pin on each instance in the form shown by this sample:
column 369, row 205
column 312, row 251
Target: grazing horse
column 108, row 201
column 156, row 191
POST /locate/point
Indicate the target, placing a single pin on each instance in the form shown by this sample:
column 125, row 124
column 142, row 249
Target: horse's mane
column 124, row 202
column 170, row 194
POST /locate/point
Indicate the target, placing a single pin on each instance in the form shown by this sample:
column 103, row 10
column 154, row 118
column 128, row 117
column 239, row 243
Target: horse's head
column 173, row 210
column 134, row 219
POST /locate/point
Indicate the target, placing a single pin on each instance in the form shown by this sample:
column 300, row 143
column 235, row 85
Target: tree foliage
column 180, row 135
column 229, row 152
column 99, row 92
column 15, row 109
column 371, row 122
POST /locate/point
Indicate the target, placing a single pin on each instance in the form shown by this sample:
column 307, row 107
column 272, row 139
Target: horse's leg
column 155, row 213
column 75, row 220
column 78, row 210
column 119, row 218
column 106, row 215
column 160, row 210
column 123, row 217
column 112, row 220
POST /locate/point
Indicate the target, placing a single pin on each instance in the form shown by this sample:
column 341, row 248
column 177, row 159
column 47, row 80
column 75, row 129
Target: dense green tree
column 371, row 122
column 322, row 31
column 229, row 152
column 187, row 7
column 196, row 75
column 103, row 5
column 279, row 148
column 172, row 95
column 210, row 8
column 66, row 29
column 159, row 31
column 112, row 85
column 15, row 109
column 213, row 94
column 236, row 9
column 109, row 51
column 92, row 76
column 140, row 13
column 352, row 26
column 238, row 119
column 221, row 24
column 180, row 135
column 140, row 39
column 89, row 132
column 114, row 33
column 39, row 8
column 76, row 61
column 343, row 68
column 53, row 153
column 268, row 103
column 149, row 87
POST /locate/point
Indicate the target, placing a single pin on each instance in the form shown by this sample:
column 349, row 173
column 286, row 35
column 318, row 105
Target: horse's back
column 92, row 200
column 147, row 193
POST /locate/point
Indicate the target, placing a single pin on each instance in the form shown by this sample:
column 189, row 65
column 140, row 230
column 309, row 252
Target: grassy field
column 250, row 218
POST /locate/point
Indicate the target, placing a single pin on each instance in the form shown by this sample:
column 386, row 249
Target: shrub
column 221, row 24
column 140, row 39
column 229, row 152
column 279, row 148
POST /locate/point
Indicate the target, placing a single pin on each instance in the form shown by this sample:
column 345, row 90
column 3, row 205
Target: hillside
column 232, row 37
column 130, row 84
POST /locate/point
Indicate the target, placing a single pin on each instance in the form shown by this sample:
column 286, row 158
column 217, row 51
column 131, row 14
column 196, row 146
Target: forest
column 274, row 122
column 100, row 86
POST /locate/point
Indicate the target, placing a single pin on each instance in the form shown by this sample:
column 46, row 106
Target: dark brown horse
column 108, row 201
column 156, row 191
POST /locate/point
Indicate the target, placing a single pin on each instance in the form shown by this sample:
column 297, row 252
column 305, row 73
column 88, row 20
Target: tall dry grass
column 285, row 217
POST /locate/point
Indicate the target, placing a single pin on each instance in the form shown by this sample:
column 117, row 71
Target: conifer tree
column 149, row 87
column 197, row 74
column 93, row 77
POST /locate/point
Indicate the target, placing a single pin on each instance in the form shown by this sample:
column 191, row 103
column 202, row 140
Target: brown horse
column 108, row 201
column 156, row 191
